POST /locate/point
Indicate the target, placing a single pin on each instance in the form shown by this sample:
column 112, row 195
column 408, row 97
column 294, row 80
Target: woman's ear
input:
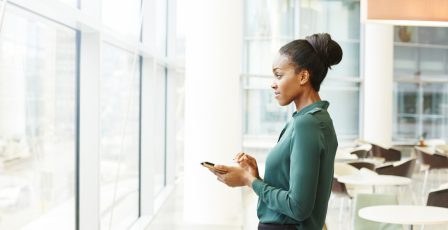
column 304, row 77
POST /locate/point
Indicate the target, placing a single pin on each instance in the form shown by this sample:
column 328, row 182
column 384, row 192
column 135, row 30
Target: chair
column 403, row 168
column 388, row 154
column 366, row 200
column 361, row 164
column 361, row 153
column 432, row 161
column 438, row 198
column 339, row 189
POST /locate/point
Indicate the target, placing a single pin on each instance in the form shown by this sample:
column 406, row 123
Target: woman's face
column 287, row 83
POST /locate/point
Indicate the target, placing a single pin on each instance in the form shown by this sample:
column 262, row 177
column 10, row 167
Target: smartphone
column 211, row 166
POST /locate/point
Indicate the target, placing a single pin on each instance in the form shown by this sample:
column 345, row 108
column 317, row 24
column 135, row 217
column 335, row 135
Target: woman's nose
column 274, row 85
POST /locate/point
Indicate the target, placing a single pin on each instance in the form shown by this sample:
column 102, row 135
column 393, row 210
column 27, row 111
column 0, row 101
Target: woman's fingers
column 238, row 157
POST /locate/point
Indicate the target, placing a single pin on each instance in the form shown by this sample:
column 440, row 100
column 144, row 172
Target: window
column 268, row 25
column 38, row 122
column 341, row 19
column 271, row 24
column 421, row 83
column 122, row 16
column 119, row 163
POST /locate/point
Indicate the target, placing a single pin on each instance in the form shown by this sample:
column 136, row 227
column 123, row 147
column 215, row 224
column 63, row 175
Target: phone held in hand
column 211, row 166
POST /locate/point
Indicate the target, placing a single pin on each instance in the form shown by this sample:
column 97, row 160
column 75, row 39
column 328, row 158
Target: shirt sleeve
column 298, row 201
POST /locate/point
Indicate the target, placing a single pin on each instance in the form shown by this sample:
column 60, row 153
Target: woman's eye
column 278, row 76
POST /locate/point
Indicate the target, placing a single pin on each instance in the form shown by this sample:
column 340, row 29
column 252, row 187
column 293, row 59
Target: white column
column 378, row 83
column 213, row 129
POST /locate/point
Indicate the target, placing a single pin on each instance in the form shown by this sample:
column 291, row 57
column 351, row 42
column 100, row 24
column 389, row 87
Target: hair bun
column 328, row 50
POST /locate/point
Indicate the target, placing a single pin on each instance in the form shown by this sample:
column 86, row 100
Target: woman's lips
column 276, row 94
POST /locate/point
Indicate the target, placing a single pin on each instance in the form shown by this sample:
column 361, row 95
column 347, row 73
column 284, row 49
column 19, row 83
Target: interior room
column 109, row 107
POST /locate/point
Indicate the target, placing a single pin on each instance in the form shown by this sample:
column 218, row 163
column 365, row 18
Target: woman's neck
column 307, row 98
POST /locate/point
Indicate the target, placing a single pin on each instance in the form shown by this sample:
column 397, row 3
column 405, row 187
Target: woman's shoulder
column 307, row 120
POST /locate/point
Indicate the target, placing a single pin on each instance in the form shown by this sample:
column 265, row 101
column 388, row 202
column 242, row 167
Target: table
column 405, row 214
column 374, row 180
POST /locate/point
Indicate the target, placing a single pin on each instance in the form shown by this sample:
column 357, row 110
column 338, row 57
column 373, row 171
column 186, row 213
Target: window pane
column 435, row 104
column 344, row 107
column 406, row 112
column 122, row 16
column 341, row 19
column 119, row 174
column 405, row 61
column 261, row 53
column 420, row 55
column 72, row 3
column 269, row 18
column 263, row 114
column 37, row 122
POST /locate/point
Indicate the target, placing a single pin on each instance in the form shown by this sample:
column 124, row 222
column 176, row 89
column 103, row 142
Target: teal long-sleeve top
column 299, row 171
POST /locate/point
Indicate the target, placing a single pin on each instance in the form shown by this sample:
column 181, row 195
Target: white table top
column 405, row 214
column 374, row 180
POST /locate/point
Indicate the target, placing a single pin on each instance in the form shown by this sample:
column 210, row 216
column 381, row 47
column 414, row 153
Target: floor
column 170, row 215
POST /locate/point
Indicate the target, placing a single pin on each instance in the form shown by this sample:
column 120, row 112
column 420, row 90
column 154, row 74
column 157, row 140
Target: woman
column 299, row 169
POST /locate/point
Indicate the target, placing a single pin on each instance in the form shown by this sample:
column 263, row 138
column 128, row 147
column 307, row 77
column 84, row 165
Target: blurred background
column 107, row 107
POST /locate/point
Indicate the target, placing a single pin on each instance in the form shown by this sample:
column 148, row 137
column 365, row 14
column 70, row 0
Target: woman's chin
column 282, row 103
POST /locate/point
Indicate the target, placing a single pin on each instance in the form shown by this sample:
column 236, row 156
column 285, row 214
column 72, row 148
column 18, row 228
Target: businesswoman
column 298, row 175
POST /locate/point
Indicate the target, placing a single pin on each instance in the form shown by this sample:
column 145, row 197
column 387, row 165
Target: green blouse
column 299, row 171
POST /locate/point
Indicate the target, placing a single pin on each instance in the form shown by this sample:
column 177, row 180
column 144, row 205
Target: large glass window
column 37, row 122
column 269, row 24
column 122, row 16
column 119, row 163
column 421, row 83
column 341, row 19
column 72, row 3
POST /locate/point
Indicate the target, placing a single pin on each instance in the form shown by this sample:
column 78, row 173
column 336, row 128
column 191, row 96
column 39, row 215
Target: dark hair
column 315, row 53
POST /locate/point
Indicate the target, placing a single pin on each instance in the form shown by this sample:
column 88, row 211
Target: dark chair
column 339, row 189
column 432, row 161
column 361, row 153
column 405, row 168
column 377, row 150
column 361, row 164
column 388, row 154
column 438, row 198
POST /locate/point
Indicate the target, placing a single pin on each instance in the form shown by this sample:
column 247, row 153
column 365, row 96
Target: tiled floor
column 170, row 215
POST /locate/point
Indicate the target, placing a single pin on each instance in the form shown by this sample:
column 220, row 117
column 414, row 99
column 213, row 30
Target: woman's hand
column 235, row 176
column 248, row 163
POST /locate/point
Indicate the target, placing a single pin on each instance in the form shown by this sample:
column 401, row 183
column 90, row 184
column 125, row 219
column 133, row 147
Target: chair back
column 366, row 200
column 438, row 198
column 339, row 188
column 388, row 154
column 404, row 168
column 361, row 153
column 377, row 150
column 434, row 161
column 361, row 164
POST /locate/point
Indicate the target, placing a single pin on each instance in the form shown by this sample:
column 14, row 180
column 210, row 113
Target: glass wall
column 341, row 87
column 122, row 17
column 37, row 122
column 421, row 83
column 269, row 24
column 119, row 165
column 71, row 96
